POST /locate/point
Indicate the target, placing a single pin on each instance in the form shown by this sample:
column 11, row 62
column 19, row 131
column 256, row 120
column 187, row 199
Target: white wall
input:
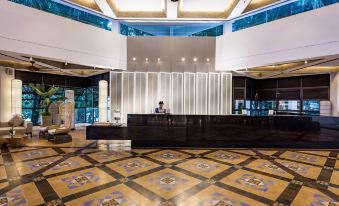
column 5, row 95
column 334, row 93
column 307, row 35
column 170, row 50
column 31, row 31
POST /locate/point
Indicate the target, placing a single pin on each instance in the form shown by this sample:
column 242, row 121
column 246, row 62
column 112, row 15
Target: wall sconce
column 103, row 90
column 16, row 96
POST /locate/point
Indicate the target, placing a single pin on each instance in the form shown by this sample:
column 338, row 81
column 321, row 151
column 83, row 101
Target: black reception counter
column 166, row 130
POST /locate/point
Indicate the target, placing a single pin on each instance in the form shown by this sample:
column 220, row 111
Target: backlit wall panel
column 189, row 93
column 226, row 94
column 177, row 93
column 201, row 93
column 213, row 93
column 164, row 92
column 182, row 93
column 152, row 99
column 127, row 95
column 140, row 92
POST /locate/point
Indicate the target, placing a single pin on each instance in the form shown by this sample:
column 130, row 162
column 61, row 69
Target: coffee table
column 18, row 140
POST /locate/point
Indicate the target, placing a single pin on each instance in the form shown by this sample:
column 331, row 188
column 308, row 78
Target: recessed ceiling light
column 208, row 59
column 159, row 59
column 195, row 59
column 183, row 59
column 146, row 59
column 134, row 58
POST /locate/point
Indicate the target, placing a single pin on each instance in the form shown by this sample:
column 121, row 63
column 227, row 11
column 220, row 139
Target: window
column 280, row 12
column 86, row 104
column 68, row 12
column 204, row 30
column 215, row 31
column 239, row 105
column 288, row 106
column 130, row 31
column 311, row 107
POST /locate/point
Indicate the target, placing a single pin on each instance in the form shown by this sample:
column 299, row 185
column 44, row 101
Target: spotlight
column 208, row 59
column 195, row 59
column 134, row 59
column 306, row 62
column 159, row 59
column 183, row 59
column 146, row 59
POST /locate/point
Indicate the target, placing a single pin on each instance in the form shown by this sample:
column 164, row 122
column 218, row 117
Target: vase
column 46, row 120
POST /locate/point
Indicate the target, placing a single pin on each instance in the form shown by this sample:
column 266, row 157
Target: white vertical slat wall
column 164, row 89
column 183, row 93
column 177, row 93
column 140, row 92
column 213, row 93
column 201, row 93
column 189, row 93
column 127, row 95
column 226, row 94
column 151, row 91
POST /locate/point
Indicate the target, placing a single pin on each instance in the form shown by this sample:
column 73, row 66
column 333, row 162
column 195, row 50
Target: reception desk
column 164, row 130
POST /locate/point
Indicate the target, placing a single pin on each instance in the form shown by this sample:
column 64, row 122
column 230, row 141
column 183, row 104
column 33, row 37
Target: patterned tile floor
column 88, row 176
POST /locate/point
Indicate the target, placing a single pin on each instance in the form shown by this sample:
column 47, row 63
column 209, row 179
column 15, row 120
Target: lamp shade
column 16, row 97
column 103, row 91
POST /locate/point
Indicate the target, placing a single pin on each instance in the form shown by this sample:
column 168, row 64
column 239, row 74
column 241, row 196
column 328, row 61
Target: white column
column 6, row 76
column 103, row 90
column 16, row 98
column 334, row 93
column 69, row 94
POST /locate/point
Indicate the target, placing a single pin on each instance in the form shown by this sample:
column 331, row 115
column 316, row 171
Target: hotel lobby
column 169, row 102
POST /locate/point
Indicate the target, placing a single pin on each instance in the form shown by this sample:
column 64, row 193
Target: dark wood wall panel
column 290, row 94
column 266, row 84
column 266, row 94
column 317, row 93
column 60, row 80
column 239, row 93
column 289, row 82
column 316, row 80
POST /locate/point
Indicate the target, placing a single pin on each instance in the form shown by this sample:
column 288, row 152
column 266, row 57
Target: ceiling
column 173, row 10
column 321, row 65
column 21, row 62
column 35, row 64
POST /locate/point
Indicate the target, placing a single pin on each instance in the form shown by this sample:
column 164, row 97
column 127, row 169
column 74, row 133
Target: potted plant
column 46, row 94
column 12, row 142
column 11, row 132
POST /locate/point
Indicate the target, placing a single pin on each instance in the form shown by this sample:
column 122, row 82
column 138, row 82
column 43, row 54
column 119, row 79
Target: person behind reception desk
column 161, row 109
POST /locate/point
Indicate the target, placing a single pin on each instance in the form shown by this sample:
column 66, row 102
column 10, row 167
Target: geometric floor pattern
column 166, row 177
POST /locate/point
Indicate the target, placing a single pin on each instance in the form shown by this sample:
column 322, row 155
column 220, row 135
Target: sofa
column 20, row 127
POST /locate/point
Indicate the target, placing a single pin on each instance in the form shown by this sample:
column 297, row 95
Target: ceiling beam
column 105, row 8
column 239, row 8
